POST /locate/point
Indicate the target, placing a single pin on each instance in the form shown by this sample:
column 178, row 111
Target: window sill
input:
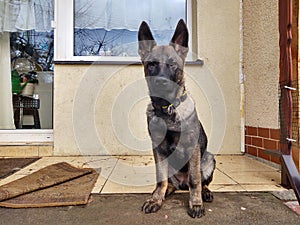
column 199, row 62
column 26, row 136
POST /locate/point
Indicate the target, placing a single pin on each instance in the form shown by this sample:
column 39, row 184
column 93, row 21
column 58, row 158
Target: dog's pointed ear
column 180, row 39
column 146, row 40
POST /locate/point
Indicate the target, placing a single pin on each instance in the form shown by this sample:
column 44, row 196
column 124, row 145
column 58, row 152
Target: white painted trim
column 189, row 18
column 64, row 34
column 63, row 30
column 242, row 79
column 25, row 136
column 101, row 58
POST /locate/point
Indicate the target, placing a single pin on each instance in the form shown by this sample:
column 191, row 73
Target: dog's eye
column 172, row 65
column 152, row 66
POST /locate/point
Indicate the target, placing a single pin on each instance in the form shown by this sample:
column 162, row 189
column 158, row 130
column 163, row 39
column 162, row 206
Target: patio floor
column 258, row 208
column 136, row 174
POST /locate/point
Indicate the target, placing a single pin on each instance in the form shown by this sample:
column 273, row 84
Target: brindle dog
column 178, row 138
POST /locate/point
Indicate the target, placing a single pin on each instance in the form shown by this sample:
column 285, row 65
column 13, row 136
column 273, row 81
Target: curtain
column 26, row 15
column 128, row 14
column 109, row 14
column 6, row 108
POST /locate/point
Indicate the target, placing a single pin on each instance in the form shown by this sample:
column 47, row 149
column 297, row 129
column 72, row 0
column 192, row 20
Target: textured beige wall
column 100, row 109
column 218, row 24
column 261, row 62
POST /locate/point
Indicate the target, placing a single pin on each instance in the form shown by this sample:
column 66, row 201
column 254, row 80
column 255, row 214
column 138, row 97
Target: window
column 38, row 46
column 32, row 62
column 109, row 28
column 106, row 30
column 26, row 46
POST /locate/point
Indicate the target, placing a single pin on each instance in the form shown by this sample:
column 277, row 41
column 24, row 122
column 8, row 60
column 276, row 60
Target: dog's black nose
column 160, row 81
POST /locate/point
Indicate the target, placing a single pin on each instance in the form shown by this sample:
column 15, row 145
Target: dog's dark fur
column 178, row 139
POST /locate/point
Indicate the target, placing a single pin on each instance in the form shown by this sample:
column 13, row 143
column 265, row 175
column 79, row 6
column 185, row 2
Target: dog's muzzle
column 161, row 82
column 163, row 88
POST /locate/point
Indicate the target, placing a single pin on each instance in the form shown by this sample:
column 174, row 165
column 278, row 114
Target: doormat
column 56, row 185
column 9, row 166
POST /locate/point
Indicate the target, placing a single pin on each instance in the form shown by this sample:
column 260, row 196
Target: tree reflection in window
column 109, row 28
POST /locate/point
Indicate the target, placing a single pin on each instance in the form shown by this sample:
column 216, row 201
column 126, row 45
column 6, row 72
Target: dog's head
column 163, row 65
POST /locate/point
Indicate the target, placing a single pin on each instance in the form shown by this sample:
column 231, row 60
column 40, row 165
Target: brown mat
column 9, row 166
column 56, row 185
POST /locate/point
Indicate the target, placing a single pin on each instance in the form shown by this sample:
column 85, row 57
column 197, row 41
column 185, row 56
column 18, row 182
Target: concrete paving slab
column 227, row 208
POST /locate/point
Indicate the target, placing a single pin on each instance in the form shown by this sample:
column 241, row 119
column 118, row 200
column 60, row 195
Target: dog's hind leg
column 207, row 195
column 208, row 165
column 171, row 189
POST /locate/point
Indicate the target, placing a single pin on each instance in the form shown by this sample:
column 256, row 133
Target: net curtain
column 128, row 14
column 26, row 15
column 109, row 14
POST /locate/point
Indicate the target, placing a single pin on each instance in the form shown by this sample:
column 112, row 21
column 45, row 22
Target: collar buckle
column 170, row 108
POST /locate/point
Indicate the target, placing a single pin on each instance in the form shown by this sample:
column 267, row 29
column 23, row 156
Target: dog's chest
column 181, row 119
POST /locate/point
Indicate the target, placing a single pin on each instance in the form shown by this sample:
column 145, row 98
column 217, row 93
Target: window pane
column 32, row 79
column 109, row 27
column 36, row 46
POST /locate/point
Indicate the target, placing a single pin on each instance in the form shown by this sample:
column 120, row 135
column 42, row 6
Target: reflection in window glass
column 32, row 79
column 109, row 27
column 34, row 46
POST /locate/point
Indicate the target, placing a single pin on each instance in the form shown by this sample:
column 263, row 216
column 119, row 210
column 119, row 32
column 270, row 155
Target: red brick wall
column 257, row 139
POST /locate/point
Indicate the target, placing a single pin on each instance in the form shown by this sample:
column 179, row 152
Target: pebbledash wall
column 87, row 121
column 261, row 76
column 235, row 122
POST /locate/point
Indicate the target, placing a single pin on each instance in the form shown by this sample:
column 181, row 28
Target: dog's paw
column 151, row 206
column 196, row 211
column 207, row 195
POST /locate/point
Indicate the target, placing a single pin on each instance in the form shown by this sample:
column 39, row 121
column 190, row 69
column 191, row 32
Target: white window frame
column 22, row 137
column 64, row 35
column 26, row 136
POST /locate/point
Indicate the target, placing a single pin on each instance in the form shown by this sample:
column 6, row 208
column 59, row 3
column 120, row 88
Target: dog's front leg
column 155, row 202
column 196, row 207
